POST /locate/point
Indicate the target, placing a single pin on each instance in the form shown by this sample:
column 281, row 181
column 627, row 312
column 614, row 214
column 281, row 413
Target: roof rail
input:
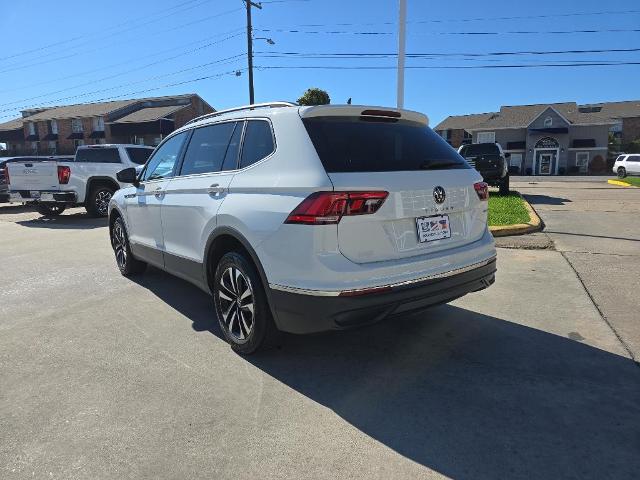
column 245, row 107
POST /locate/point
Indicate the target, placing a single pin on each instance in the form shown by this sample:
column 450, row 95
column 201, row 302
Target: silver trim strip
column 334, row 293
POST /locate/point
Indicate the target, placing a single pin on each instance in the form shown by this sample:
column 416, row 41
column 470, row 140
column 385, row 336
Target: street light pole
column 402, row 25
column 250, row 4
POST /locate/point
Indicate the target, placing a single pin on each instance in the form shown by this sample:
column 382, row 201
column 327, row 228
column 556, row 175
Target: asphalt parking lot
column 104, row 377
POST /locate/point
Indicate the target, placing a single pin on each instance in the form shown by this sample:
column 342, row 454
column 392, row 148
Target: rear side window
column 139, row 155
column 98, row 155
column 258, row 142
column 480, row 149
column 207, row 149
column 633, row 158
column 349, row 144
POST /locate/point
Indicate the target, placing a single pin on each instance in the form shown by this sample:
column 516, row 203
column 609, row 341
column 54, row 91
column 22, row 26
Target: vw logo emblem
column 439, row 195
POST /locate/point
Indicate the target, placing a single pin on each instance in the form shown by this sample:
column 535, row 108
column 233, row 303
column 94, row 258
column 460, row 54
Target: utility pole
column 250, row 4
column 402, row 26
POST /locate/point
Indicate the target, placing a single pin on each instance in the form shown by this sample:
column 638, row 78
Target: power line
column 445, row 67
column 127, row 84
column 141, row 67
column 20, row 66
column 184, row 82
column 102, row 31
column 512, row 32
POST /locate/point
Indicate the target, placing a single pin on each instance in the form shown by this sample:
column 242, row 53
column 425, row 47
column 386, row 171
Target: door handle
column 158, row 192
column 214, row 189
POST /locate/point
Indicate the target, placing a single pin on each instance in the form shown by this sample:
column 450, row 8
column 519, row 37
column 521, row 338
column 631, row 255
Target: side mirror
column 128, row 175
column 507, row 155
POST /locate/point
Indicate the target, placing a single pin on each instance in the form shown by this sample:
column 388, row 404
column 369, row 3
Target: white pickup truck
column 89, row 180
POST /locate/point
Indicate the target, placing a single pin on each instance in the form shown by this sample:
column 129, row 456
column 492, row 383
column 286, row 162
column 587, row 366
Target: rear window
column 349, row 144
column 480, row 149
column 98, row 155
column 139, row 155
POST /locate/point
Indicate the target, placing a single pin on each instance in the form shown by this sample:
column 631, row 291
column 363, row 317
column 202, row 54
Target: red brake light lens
column 6, row 173
column 323, row 208
column 64, row 173
column 482, row 189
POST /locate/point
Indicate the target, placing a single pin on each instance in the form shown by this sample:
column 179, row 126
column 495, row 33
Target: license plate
column 433, row 228
column 46, row 197
column 34, row 194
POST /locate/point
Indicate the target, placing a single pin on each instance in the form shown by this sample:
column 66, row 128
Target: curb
column 620, row 183
column 534, row 225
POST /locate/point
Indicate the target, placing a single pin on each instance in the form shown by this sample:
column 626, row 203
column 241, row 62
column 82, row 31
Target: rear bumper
column 43, row 196
column 307, row 313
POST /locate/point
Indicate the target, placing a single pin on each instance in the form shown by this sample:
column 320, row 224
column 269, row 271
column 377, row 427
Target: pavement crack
column 600, row 312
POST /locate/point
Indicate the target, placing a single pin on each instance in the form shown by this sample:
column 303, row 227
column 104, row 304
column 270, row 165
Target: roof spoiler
column 364, row 111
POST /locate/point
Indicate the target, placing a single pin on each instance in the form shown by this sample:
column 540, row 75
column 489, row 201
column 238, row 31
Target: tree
column 314, row 96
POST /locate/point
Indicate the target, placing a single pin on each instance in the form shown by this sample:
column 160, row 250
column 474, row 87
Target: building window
column 78, row 143
column 516, row 160
column 53, row 148
column 487, row 137
column 32, row 128
column 98, row 124
column 582, row 161
column 100, row 141
column 467, row 138
column 34, row 147
column 76, row 125
column 548, row 122
column 53, row 127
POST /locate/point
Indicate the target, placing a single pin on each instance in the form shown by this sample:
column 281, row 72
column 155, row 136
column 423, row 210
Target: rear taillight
column 482, row 189
column 64, row 173
column 6, row 173
column 322, row 208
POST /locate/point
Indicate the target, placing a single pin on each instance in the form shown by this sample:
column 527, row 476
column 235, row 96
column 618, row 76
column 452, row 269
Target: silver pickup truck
column 88, row 180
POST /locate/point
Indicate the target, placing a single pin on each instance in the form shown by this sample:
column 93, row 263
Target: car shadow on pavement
column 545, row 199
column 469, row 395
column 473, row 396
column 72, row 221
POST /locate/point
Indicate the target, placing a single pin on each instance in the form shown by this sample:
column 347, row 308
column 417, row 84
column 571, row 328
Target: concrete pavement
column 104, row 377
column 596, row 226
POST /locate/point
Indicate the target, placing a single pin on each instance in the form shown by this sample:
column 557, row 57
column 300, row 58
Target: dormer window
column 548, row 122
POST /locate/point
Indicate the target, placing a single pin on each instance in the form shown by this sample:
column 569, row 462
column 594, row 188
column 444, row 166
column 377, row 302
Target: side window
column 207, row 149
column 163, row 161
column 231, row 157
column 258, row 142
column 98, row 155
column 633, row 158
column 139, row 155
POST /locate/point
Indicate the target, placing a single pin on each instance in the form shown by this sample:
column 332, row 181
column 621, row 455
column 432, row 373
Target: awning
column 51, row 136
column 32, row 138
column 97, row 134
column 16, row 135
column 76, row 136
column 550, row 130
column 583, row 143
column 156, row 127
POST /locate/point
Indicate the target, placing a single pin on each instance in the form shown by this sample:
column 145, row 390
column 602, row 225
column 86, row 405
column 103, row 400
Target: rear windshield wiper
column 440, row 164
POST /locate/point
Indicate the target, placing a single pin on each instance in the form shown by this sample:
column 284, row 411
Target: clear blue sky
column 101, row 48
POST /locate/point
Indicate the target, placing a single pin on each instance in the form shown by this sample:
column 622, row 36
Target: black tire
column 126, row 262
column 504, row 186
column 50, row 209
column 97, row 203
column 246, row 331
column 622, row 172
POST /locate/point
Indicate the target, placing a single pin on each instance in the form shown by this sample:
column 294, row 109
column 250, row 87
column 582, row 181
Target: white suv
column 304, row 219
column 627, row 165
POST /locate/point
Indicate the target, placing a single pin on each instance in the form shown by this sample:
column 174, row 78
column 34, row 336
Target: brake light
column 6, row 173
column 482, row 189
column 64, row 173
column 323, row 208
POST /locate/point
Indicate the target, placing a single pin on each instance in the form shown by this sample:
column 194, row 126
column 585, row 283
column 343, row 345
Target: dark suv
column 490, row 161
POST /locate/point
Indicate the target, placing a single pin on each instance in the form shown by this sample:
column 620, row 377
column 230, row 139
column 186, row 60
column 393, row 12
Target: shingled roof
column 14, row 124
column 149, row 114
column 520, row 116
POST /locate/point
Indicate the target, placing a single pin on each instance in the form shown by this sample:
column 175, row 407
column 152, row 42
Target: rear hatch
column 33, row 175
column 403, row 156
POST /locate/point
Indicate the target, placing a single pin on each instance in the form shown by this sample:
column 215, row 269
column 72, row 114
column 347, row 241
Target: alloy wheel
column 119, row 245
column 236, row 303
column 103, row 197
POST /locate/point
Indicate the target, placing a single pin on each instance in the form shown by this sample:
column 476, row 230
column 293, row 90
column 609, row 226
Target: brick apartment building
column 60, row 130
column 551, row 139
